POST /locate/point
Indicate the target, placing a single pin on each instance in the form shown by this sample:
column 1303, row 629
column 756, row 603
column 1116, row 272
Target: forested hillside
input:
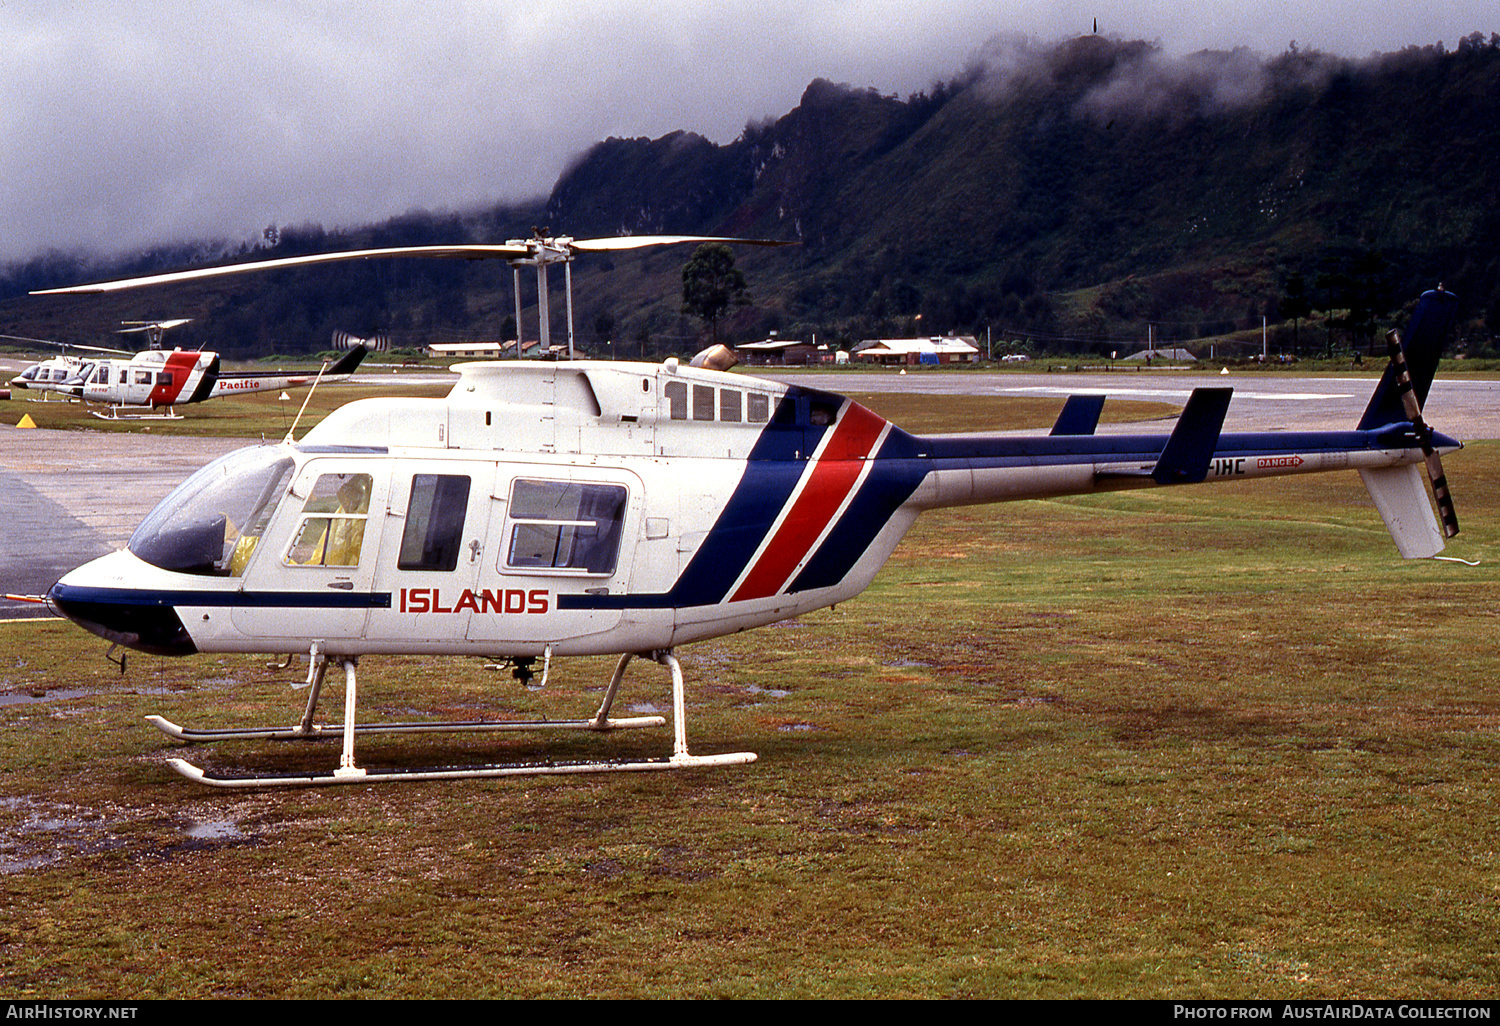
column 1074, row 193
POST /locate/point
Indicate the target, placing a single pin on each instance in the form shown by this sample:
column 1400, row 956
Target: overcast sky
column 125, row 123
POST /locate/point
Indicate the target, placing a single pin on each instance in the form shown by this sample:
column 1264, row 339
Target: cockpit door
column 312, row 573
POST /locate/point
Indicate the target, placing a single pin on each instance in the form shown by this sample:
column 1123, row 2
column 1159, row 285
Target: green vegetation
column 1208, row 742
column 710, row 283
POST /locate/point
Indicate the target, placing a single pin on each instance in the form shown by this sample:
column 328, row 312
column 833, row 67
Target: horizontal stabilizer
column 1401, row 498
column 1079, row 416
column 1185, row 459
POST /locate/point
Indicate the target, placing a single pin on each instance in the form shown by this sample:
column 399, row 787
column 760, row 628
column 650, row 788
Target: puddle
column 772, row 692
column 215, row 830
column 43, row 835
column 52, row 695
column 10, row 865
column 36, row 834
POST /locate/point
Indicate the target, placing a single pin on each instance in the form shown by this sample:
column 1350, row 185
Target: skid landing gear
column 116, row 414
column 349, row 772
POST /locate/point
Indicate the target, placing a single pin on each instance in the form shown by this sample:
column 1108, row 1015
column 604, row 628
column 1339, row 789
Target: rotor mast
column 541, row 253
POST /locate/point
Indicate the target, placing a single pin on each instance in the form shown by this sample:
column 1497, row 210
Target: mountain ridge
column 1076, row 191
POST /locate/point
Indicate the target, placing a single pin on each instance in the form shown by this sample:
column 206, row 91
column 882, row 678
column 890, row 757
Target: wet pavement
column 69, row 496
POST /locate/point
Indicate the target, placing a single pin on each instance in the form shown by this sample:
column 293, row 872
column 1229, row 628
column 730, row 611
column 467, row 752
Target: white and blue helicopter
column 554, row 509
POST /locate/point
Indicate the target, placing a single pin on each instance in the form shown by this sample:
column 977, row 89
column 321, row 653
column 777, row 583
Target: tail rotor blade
column 1430, row 455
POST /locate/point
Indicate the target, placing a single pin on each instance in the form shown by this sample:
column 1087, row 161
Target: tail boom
column 973, row 470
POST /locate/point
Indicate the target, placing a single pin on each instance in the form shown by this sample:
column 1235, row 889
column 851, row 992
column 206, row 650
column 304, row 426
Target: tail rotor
column 1430, row 456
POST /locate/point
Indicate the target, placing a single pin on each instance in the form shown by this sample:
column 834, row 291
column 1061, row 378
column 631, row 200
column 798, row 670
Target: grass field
column 1212, row 742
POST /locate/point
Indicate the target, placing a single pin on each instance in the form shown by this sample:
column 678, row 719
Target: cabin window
column 703, row 402
column 676, row 393
column 332, row 531
column 434, row 522
column 212, row 522
column 758, row 407
column 565, row 525
column 729, row 405
column 143, row 377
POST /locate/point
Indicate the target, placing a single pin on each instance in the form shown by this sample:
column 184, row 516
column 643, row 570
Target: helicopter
column 67, row 375
column 160, row 378
column 555, row 509
column 56, row 374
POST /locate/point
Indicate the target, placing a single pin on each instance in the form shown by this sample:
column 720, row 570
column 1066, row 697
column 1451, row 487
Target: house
column 779, row 352
column 478, row 350
column 912, row 351
column 1170, row 353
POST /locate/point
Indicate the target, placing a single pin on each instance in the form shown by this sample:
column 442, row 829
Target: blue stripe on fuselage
column 249, row 599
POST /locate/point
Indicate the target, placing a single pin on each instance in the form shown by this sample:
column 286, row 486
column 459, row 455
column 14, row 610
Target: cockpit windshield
column 211, row 523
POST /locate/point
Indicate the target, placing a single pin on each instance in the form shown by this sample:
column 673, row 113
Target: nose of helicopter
column 140, row 619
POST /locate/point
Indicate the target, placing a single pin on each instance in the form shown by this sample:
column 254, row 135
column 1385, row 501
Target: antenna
column 297, row 419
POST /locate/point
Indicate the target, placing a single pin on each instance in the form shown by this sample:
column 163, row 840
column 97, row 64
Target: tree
column 1295, row 304
column 710, row 282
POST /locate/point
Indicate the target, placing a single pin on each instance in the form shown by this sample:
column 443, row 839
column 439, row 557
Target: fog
column 128, row 125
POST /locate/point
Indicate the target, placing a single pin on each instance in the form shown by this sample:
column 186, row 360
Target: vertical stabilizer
column 1426, row 333
column 1192, row 442
column 1080, row 415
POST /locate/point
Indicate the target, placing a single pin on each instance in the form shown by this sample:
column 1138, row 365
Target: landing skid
column 350, row 773
column 115, row 414
column 472, row 772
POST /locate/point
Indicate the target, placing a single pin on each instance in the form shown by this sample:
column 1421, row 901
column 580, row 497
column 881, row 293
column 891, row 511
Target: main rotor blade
column 641, row 241
column 466, row 252
column 509, row 251
column 65, row 346
column 148, row 325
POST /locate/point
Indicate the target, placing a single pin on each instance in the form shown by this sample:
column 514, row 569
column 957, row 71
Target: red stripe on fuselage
column 181, row 367
column 833, row 475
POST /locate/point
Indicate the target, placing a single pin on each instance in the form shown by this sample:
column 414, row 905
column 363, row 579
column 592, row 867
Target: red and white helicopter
column 158, row 378
column 543, row 510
